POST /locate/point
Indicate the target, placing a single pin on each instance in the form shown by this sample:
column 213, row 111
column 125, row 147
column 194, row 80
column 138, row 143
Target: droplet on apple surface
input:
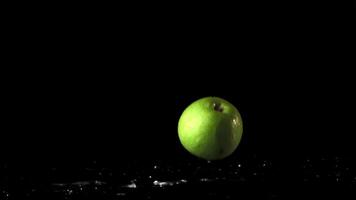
column 210, row 128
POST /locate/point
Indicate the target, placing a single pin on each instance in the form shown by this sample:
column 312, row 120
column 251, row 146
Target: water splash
column 149, row 180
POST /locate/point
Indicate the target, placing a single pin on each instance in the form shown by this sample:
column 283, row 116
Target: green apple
column 210, row 128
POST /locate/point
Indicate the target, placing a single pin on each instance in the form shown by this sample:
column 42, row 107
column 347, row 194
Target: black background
column 285, row 116
column 285, row 67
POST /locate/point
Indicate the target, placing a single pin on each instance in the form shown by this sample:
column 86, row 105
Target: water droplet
column 266, row 163
column 69, row 191
column 131, row 185
column 99, row 182
column 81, row 183
column 239, row 165
column 181, row 181
column 236, row 121
column 5, row 194
column 162, row 183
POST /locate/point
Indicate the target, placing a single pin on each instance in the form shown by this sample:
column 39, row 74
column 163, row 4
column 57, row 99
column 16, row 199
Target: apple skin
column 210, row 128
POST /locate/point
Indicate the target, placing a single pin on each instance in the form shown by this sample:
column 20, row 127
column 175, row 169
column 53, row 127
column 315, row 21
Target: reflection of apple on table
column 210, row 128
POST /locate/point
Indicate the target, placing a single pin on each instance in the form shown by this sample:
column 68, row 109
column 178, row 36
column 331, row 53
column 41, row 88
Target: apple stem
column 218, row 107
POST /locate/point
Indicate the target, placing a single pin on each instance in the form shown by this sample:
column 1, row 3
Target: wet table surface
column 237, row 178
